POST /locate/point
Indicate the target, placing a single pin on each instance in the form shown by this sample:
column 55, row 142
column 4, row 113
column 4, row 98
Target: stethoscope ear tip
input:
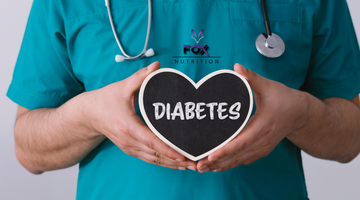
column 150, row 52
column 119, row 58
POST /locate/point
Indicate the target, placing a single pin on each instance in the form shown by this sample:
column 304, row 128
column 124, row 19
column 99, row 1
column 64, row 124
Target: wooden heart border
column 196, row 85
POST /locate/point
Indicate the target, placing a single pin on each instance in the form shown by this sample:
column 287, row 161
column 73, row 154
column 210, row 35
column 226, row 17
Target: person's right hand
column 111, row 111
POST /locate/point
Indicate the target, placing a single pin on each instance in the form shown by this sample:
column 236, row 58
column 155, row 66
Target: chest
column 195, row 37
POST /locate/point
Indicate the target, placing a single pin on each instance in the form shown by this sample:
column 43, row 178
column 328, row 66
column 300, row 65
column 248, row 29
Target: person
column 77, row 105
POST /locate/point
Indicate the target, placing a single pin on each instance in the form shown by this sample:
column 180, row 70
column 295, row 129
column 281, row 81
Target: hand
column 111, row 112
column 280, row 111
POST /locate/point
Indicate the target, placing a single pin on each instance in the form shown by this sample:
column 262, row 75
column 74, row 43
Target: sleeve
column 43, row 75
column 334, row 69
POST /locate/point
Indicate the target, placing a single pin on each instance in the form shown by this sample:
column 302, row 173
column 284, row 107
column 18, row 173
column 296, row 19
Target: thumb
column 133, row 83
column 257, row 83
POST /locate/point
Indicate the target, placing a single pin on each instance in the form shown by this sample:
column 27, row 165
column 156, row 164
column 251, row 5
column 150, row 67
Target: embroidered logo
column 196, row 53
column 198, row 37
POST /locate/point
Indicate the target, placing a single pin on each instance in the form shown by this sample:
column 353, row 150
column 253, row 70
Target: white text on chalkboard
column 191, row 110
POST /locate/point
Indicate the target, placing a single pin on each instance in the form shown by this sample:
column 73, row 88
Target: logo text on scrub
column 200, row 52
column 196, row 49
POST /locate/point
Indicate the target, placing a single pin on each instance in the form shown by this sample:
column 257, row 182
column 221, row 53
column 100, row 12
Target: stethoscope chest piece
column 271, row 47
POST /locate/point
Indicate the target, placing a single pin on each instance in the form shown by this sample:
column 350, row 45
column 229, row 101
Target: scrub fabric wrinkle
column 69, row 48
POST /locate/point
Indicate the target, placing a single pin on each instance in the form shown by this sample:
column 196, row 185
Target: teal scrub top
column 69, row 48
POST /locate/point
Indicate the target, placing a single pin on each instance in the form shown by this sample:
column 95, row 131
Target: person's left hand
column 280, row 111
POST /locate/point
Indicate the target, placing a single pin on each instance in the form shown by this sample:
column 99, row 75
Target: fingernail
column 179, row 160
column 243, row 68
column 151, row 66
column 217, row 170
column 204, row 169
column 191, row 167
column 182, row 168
column 213, row 159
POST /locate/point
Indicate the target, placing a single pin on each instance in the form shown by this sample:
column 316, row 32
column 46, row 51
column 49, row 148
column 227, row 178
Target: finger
column 247, row 162
column 222, row 163
column 257, row 83
column 242, row 141
column 160, row 161
column 175, row 167
column 258, row 148
column 134, row 82
column 134, row 148
column 139, row 131
column 125, row 142
column 237, row 159
column 186, row 164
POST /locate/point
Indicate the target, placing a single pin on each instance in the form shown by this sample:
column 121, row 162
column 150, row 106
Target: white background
column 325, row 179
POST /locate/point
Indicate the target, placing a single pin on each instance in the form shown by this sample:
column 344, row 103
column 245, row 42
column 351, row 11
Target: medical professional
column 78, row 105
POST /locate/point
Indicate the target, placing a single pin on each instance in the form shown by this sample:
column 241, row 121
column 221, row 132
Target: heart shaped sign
column 195, row 119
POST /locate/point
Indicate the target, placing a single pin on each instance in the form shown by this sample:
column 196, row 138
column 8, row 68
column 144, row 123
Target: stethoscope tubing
column 127, row 57
column 268, row 44
column 266, row 18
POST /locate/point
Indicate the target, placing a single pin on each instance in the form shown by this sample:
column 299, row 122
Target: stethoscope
column 268, row 44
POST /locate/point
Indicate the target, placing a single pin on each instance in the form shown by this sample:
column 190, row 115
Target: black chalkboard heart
column 195, row 118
